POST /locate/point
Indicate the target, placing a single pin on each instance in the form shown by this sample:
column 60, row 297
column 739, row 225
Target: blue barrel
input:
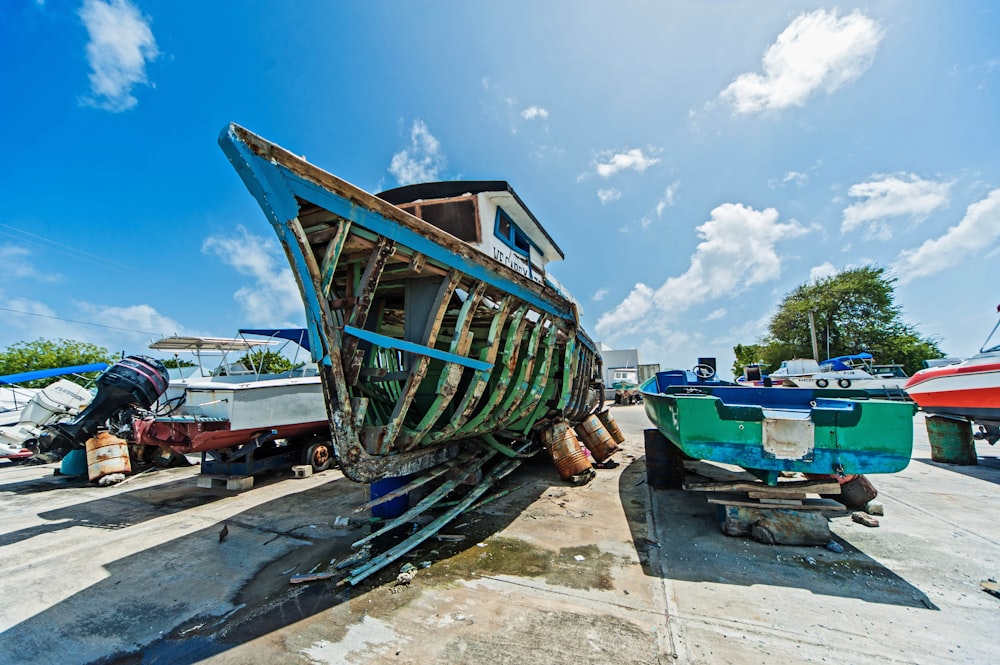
column 74, row 463
column 392, row 507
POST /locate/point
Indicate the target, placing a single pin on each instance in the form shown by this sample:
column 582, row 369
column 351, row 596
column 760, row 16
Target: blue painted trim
column 278, row 202
column 410, row 347
column 34, row 375
column 514, row 230
column 383, row 226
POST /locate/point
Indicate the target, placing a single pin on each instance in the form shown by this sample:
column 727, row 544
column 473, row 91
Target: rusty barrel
column 951, row 440
column 565, row 449
column 597, row 438
column 107, row 454
column 855, row 491
column 613, row 429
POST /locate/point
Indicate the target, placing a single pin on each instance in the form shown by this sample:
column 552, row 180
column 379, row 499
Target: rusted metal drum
column 597, row 438
column 613, row 429
column 951, row 440
column 566, row 452
column 107, row 454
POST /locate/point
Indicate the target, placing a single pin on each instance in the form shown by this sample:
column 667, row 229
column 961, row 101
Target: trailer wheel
column 318, row 456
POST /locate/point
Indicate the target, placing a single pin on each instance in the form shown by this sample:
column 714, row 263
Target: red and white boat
column 969, row 389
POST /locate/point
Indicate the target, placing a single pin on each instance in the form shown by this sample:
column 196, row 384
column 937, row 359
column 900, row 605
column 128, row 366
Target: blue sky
column 695, row 160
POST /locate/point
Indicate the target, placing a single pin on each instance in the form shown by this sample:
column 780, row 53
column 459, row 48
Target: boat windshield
column 992, row 342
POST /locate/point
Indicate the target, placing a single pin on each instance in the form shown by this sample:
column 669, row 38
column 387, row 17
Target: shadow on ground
column 693, row 548
column 300, row 529
column 987, row 468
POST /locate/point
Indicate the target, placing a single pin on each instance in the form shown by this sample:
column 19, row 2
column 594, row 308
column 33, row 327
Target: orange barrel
column 107, row 454
column 612, row 425
column 596, row 437
column 565, row 450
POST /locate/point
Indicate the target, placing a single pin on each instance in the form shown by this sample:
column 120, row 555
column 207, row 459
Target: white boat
column 969, row 389
column 232, row 404
column 24, row 412
column 854, row 372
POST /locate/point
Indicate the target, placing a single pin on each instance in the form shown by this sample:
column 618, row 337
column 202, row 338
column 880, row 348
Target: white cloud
column 737, row 251
column 669, row 198
column 793, row 177
column 822, row 271
column 16, row 263
column 892, row 196
column 422, row 161
column 609, row 163
column 716, row 314
column 129, row 329
column 975, row 233
column 599, row 295
column 121, row 43
column 273, row 298
column 533, row 112
column 608, row 195
column 816, row 51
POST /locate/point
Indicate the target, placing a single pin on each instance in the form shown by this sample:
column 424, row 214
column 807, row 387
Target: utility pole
column 812, row 330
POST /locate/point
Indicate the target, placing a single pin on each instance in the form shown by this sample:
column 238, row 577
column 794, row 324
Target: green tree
column 746, row 354
column 854, row 311
column 50, row 354
column 266, row 362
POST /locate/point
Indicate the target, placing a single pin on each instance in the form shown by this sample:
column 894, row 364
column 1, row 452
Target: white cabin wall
column 500, row 251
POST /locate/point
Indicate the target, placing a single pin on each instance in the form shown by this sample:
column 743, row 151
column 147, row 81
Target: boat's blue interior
column 682, row 381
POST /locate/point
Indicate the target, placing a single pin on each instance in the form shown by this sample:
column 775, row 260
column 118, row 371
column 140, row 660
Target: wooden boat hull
column 424, row 343
column 788, row 429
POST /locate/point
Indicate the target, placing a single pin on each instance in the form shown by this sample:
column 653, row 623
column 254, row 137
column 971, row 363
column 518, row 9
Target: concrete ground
column 609, row 572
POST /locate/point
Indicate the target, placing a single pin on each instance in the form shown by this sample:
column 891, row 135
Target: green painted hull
column 770, row 430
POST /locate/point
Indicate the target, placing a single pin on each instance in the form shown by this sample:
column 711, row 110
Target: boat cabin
column 488, row 215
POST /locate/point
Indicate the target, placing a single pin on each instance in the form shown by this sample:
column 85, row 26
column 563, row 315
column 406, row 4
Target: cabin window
column 459, row 218
column 455, row 217
column 511, row 235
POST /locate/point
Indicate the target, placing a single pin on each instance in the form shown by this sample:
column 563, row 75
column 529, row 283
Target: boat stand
column 236, row 468
column 774, row 515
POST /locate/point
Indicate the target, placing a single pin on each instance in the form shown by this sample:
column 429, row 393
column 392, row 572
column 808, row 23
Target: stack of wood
column 784, row 514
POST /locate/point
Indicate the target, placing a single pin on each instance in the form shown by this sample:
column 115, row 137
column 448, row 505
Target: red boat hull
column 969, row 389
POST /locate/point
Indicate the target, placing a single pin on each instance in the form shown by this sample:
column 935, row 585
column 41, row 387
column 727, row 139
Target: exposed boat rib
column 380, row 561
column 431, row 499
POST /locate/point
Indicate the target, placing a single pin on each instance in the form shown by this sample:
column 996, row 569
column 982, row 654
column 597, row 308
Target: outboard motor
column 136, row 380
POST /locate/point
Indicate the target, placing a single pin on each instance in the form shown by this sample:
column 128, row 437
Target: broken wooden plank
column 795, row 486
column 806, row 504
column 864, row 518
column 777, row 495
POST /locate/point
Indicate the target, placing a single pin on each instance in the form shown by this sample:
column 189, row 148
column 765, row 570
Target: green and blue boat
column 768, row 431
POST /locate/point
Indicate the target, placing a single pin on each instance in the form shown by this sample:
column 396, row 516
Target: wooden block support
column 775, row 526
column 239, row 483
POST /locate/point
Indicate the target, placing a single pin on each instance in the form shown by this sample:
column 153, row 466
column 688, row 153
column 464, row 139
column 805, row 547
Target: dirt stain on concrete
column 581, row 567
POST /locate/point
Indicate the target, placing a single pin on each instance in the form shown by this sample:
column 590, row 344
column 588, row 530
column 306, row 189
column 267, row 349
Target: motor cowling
column 134, row 380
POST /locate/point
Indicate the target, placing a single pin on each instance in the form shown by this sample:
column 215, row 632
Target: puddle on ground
column 512, row 556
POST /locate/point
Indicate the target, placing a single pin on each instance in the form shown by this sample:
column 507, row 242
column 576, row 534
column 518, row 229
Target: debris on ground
column 991, row 586
column 834, row 546
column 406, row 574
column 874, row 508
column 864, row 518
